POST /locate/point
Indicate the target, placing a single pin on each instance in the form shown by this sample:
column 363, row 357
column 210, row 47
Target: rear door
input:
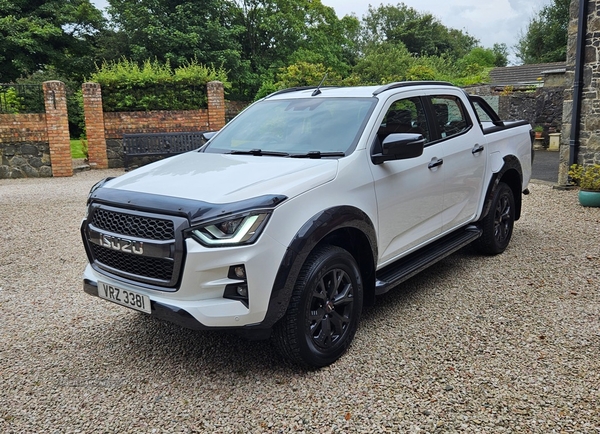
column 465, row 154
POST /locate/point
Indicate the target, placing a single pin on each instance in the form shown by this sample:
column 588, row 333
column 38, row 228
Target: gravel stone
column 503, row 344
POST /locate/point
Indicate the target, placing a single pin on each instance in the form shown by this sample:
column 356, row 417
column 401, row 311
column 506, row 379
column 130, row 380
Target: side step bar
column 396, row 273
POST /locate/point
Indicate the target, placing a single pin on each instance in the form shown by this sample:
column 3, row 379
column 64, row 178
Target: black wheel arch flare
column 512, row 175
column 345, row 226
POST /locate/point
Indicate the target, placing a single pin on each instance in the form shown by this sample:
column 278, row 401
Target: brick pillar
column 216, row 105
column 94, row 125
column 57, row 125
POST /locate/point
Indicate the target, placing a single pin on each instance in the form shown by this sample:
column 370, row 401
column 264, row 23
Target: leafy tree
column 421, row 33
column 500, row 54
column 546, row 37
column 278, row 33
column 177, row 31
column 35, row 34
column 384, row 62
column 480, row 57
column 388, row 62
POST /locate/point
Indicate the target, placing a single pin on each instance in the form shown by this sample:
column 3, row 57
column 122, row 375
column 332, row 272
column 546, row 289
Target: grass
column 78, row 149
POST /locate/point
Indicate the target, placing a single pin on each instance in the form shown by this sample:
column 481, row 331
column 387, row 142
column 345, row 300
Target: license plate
column 124, row 297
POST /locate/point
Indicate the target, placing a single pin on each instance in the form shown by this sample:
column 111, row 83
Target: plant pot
column 538, row 135
column 589, row 198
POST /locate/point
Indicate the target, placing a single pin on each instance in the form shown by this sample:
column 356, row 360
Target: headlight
column 234, row 230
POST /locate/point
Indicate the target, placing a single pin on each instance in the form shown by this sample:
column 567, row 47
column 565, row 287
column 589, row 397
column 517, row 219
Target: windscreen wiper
column 318, row 154
column 260, row 152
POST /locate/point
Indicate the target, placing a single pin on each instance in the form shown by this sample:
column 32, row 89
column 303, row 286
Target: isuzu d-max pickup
column 304, row 208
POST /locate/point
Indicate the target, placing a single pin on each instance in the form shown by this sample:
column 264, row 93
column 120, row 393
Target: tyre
column 324, row 309
column 498, row 224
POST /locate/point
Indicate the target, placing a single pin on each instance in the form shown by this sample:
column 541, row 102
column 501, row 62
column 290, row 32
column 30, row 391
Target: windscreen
column 296, row 126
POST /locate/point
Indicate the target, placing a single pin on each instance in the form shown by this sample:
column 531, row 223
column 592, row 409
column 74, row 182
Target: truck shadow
column 142, row 342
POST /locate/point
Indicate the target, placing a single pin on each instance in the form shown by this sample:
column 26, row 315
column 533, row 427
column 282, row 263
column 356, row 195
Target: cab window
column 450, row 115
column 405, row 116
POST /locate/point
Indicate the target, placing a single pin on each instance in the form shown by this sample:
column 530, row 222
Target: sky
column 491, row 22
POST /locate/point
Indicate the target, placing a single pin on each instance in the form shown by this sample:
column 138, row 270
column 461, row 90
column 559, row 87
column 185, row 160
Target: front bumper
column 198, row 302
column 182, row 318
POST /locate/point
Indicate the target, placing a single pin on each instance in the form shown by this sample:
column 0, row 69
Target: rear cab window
column 450, row 115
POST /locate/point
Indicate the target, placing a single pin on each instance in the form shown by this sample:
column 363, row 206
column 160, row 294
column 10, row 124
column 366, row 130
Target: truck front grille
column 136, row 246
column 153, row 268
column 134, row 225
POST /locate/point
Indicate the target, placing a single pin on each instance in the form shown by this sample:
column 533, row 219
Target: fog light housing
column 242, row 291
column 239, row 290
column 240, row 272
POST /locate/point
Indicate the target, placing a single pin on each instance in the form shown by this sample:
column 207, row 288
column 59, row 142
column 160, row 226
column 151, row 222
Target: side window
column 450, row 115
column 405, row 116
column 481, row 113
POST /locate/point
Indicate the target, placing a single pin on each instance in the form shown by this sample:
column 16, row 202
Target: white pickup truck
column 304, row 208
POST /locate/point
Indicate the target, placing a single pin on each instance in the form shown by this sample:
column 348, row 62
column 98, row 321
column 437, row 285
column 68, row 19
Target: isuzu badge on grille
column 122, row 245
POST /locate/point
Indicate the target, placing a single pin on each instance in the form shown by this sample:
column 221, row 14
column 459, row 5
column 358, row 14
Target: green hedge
column 127, row 86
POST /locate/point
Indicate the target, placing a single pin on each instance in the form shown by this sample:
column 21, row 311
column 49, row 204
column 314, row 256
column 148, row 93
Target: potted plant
column 588, row 180
column 538, row 130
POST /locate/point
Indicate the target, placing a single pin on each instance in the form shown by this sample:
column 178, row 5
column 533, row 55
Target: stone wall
column 542, row 107
column 29, row 159
column 37, row 145
column 589, row 121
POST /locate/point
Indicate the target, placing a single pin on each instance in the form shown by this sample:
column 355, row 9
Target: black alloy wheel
column 498, row 224
column 324, row 310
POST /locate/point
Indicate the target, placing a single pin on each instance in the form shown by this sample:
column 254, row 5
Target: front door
column 409, row 192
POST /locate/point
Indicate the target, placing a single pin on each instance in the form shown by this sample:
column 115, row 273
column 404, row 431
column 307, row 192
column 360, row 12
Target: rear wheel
column 324, row 310
column 498, row 224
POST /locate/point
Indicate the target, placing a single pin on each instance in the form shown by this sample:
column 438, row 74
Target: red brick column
column 216, row 105
column 57, row 124
column 94, row 125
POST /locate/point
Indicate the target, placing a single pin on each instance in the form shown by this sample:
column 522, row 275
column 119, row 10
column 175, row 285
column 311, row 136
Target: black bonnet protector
column 193, row 210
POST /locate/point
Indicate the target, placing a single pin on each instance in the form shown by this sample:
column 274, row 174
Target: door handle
column 477, row 149
column 435, row 162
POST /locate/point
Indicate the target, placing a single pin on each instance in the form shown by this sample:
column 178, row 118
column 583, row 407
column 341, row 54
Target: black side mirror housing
column 400, row 146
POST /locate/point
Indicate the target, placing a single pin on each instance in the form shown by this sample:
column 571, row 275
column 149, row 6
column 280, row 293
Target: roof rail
column 290, row 89
column 299, row 88
column 408, row 84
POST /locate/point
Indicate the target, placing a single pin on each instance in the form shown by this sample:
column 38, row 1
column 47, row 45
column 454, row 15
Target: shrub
column 127, row 86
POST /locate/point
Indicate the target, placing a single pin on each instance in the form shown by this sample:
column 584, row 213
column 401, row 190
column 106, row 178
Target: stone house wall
column 589, row 121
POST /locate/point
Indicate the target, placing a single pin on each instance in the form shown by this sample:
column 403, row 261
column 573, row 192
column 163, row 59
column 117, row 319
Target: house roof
column 524, row 74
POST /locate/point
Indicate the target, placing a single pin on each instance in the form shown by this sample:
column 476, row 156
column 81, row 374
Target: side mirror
column 400, row 146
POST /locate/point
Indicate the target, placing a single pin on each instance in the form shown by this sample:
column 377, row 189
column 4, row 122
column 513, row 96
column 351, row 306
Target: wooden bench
column 159, row 145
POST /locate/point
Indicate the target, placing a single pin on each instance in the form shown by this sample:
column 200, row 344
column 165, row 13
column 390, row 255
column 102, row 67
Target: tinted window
column 405, row 116
column 450, row 115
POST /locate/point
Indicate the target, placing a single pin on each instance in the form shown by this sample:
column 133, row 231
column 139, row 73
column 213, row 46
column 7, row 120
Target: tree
column 177, row 31
column 422, row 34
column 546, row 37
column 279, row 33
column 500, row 54
column 36, row 34
column 486, row 57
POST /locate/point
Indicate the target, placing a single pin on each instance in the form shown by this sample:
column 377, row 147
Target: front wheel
column 498, row 224
column 324, row 309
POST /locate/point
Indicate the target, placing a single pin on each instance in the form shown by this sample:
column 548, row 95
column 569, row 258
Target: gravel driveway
column 475, row 344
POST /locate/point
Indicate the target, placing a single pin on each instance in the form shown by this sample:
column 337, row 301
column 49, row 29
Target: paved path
column 545, row 166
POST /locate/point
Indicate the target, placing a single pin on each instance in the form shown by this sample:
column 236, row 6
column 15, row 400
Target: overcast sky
column 498, row 21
